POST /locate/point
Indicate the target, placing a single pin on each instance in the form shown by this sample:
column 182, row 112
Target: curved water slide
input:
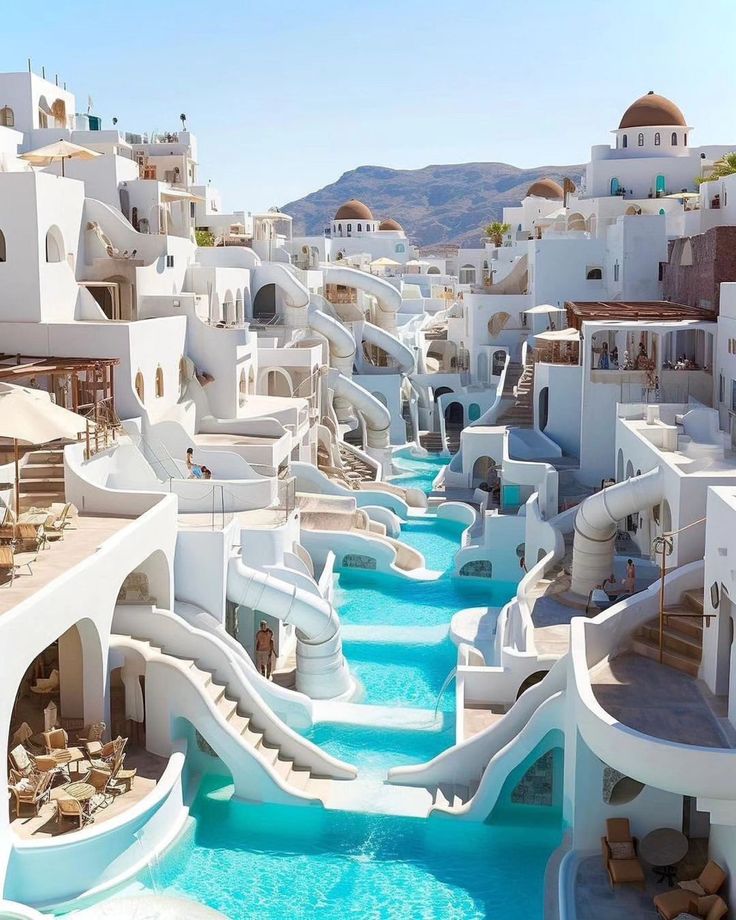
column 340, row 339
column 376, row 415
column 387, row 296
column 596, row 524
column 516, row 282
column 321, row 669
column 295, row 294
column 403, row 356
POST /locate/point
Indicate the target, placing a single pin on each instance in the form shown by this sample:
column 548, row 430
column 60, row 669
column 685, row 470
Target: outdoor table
column 663, row 848
column 82, row 792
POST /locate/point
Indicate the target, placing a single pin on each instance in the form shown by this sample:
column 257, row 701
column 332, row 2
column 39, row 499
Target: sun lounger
column 11, row 562
column 670, row 904
column 619, row 854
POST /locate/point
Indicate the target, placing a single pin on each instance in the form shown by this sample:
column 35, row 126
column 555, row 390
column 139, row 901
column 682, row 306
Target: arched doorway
column 455, row 414
column 278, row 383
column 264, row 303
column 543, row 408
column 484, row 472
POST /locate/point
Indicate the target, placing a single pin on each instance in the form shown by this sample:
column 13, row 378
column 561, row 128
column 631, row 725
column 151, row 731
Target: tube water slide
column 597, row 521
column 388, row 297
column 296, row 296
column 321, row 669
column 403, row 356
column 376, row 415
column 516, row 282
column 339, row 337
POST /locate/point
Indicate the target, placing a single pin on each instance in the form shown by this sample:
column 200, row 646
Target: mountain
column 436, row 204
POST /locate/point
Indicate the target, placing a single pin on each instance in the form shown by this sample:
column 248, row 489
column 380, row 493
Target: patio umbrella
column 559, row 335
column 543, row 308
column 30, row 416
column 61, row 150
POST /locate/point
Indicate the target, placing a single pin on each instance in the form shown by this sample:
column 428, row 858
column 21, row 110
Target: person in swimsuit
column 630, row 580
column 264, row 649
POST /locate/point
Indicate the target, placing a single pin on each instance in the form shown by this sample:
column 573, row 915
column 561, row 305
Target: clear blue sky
column 285, row 97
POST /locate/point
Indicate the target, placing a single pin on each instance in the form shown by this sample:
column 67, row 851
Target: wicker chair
column 33, row 790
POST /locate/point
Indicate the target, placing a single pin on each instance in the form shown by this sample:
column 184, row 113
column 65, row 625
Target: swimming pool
column 417, row 472
column 271, row 861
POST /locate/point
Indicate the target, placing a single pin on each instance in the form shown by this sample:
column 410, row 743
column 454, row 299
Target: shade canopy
column 60, row 150
column 559, row 335
column 683, row 195
column 544, row 308
column 30, row 416
column 384, row 261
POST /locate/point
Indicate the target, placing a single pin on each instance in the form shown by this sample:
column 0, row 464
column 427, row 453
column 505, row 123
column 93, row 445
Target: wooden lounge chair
column 67, row 807
column 100, row 779
column 54, row 528
column 26, row 764
column 91, row 738
column 619, row 854
column 11, row 561
column 121, row 779
column 31, row 790
column 670, row 904
column 109, row 752
column 57, row 744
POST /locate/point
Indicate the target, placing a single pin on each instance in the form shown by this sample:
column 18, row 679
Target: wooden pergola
column 75, row 383
column 592, row 311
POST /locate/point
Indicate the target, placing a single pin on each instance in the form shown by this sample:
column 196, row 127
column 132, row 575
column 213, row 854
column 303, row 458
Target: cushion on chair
column 712, row 907
column 626, row 870
column 712, row 877
column 624, row 850
column 671, row 904
column 694, row 886
column 618, row 830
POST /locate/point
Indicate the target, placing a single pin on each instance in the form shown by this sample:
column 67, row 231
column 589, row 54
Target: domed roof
column 353, row 210
column 390, row 224
column 546, row 188
column 652, row 110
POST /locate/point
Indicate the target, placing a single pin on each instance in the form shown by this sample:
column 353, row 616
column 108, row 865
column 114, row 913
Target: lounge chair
column 10, row 561
column 31, row 790
column 46, row 686
column 57, row 744
column 26, row 764
column 67, row 807
column 671, row 904
column 121, row 779
column 100, row 779
column 619, row 854
column 55, row 527
column 109, row 752
column 91, row 738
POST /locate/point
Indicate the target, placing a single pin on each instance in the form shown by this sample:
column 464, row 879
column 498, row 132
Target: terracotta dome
column 353, row 210
column 390, row 224
column 546, row 188
column 651, row 111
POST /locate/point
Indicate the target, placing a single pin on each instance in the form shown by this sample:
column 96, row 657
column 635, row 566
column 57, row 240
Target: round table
column 82, row 792
column 663, row 848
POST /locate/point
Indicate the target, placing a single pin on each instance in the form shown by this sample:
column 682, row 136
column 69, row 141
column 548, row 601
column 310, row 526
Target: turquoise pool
column 417, row 472
column 268, row 861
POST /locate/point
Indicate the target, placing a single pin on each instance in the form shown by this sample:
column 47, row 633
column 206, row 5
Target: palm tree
column 496, row 231
column 725, row 166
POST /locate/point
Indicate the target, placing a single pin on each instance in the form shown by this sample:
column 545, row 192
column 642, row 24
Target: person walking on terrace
column 265, row 649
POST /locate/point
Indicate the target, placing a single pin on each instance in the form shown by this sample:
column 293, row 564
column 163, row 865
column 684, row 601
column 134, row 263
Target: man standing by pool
column 265, row 649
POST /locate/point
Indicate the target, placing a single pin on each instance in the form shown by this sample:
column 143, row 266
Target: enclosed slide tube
column 339, row 338
column 597, row 521
column 321, row 669
column 376, row 415
column 388, row 297
column 403, row 356
column 296, row 296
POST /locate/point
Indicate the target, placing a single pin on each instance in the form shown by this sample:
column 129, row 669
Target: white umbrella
column 30, row 416
column 61, row 150
column 559, row 335
column 543, row 308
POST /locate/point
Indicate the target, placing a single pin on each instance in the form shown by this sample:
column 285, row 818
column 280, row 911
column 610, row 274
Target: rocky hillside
column 436, row 204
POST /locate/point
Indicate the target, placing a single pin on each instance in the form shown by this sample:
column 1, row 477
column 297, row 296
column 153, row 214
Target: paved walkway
column 657, row 700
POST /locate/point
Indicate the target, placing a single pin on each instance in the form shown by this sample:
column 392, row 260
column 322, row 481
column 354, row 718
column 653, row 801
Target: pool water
column 270, row 861
column 417, row 472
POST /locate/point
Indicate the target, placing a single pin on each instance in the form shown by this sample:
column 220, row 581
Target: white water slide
column 321, row 669
column 295, row 295
column 403, row 356
column 339, row 337
column 376, row 415
column 596, row 524
column 388, row 297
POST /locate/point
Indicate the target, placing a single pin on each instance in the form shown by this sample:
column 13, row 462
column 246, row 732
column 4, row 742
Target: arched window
column 242, row 388
column 625, row 141
column 467, row 274
column 159, row 382
column 140, row 387
column 399, row 247
column 684, row 140
column 7, row 117
column 657, row 139
column 615, row 186
column 640, row 140
column 3, row 250
column 594, row 274
column 360, row 228
column 350, row 228
column 473, row 412
column 54, row 245
column 674, row 138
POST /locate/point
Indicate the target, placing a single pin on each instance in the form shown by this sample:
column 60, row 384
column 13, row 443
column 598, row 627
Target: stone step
column 48, row 485
column 687, row 623
column 42, row 470
column 28, row 500
column 48, row 456
column 694, row 599
column 673, row 640
column 648, row 649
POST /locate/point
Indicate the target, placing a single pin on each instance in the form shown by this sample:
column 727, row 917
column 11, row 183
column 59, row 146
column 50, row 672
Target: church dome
column 546, row 188
column 390, row 224
column 353, row 210
column 651, row 111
